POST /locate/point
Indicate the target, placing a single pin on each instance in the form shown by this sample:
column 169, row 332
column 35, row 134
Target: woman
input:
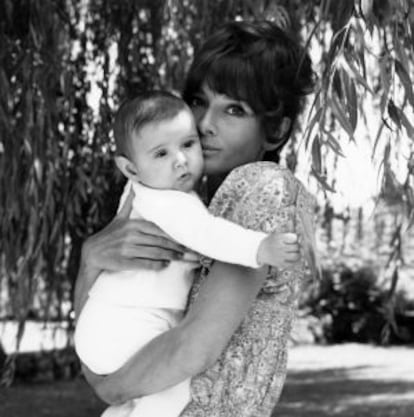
column 246, row 87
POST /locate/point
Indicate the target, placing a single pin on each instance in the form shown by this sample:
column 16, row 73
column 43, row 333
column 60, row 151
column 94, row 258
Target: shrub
column 355, row 307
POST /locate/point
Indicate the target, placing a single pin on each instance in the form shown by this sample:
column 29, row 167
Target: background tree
column 66, row 64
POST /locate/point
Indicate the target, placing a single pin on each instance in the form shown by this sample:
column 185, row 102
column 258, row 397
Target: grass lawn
column 344, row 380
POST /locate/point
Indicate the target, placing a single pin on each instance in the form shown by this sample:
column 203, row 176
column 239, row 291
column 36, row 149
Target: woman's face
column 231, row 134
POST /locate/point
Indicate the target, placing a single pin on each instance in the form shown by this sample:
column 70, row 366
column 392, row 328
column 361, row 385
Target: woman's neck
column 212, row 185
column 208, row 186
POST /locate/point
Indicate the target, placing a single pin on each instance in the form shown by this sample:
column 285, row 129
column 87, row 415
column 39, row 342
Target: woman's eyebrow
column 236, row 100
column 242, row 103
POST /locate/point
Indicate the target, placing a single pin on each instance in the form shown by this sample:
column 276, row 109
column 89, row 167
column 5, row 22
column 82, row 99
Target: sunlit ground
column 343, row 381
column 349, row 381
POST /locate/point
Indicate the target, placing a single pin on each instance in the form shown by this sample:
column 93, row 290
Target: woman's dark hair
column 259, row 63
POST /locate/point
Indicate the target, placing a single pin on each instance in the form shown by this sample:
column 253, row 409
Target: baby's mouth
column 185, row 176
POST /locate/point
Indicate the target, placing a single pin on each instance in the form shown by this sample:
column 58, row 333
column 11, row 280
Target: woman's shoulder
column 256, row 170
column 265, row 178
column 253, row 194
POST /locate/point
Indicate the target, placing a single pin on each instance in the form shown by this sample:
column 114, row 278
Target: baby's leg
column 108, row 335
column 167, row 403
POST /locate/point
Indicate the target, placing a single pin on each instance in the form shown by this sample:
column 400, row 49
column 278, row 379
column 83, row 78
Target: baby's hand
column 279, row 250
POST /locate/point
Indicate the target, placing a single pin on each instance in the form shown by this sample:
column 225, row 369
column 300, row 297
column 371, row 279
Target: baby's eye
column 189, row 143
column 161, row 153
column 236, row 110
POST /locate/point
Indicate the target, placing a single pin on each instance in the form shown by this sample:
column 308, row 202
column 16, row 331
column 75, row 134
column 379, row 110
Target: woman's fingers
column 139, row 257
column 147, row 232
column 140, row 232
column 149, row 252
column 123, row 264
column 130, row 244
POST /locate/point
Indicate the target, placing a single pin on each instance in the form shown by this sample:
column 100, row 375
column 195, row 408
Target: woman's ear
column 127, row 167
column 273, row 142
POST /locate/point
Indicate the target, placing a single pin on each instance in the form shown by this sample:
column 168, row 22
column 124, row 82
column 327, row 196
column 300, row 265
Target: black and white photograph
column 206, row 208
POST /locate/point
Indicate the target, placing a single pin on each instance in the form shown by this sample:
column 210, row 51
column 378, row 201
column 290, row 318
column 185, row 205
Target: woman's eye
column 236, row 110
column 196, row 102
column 160, row 154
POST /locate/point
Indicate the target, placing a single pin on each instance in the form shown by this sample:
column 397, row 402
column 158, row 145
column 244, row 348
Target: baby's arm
column 185, row 218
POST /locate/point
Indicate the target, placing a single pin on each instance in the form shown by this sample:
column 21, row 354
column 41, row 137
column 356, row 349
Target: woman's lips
column 209, row 151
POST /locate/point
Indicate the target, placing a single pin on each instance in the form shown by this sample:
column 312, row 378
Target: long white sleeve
column 186, row 219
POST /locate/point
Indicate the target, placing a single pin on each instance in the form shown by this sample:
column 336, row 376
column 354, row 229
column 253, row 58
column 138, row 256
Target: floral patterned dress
column 246, row 381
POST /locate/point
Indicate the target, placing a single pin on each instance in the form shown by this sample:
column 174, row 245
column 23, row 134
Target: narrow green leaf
column 351, row 100
column 401, row 54
column 322, row 180
column 385, row 75
column 409, row 128
column 383, row 101
column 340, row 115
column 316, row 154
column 315, row 119
column 334, row 144
column 336, row 46
column 394, row 113
column 409, row 197
column 405, row 80
column 352, row 71
column 337, row 84
column 377, row 138
column 386, row 156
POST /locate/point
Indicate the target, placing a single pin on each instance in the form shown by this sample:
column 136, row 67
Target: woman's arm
column 192, row 346
column 123, row 244
column 222, row 303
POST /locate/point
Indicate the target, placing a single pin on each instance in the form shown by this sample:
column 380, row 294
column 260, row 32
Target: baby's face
column 167, row 154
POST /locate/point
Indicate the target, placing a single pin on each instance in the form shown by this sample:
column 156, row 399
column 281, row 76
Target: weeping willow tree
column 66, row 64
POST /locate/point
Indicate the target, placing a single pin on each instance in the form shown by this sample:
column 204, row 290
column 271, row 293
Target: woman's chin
column 214, row 166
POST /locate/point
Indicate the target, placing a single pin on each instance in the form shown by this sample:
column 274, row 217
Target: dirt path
column 340, row 381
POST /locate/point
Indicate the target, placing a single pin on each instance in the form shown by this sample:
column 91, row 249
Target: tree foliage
column 66, row 64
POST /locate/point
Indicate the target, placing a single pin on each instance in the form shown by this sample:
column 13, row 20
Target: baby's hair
column 148, row 107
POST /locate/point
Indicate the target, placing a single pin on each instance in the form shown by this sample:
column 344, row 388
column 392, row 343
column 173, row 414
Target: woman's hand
column 123, row 244
column 129, row 244
column 96, row 382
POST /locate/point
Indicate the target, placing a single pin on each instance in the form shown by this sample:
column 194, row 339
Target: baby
column 159, row 151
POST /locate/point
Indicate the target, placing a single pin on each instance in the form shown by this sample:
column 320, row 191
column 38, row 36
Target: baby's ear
column 274, row 141
column 126, row 167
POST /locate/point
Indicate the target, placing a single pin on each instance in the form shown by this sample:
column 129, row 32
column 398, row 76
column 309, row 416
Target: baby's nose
column 180, row 159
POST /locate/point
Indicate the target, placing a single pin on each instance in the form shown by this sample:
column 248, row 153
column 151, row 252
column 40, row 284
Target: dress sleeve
column 185, row 218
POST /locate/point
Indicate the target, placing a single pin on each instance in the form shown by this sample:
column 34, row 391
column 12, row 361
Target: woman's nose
column 205, row 123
